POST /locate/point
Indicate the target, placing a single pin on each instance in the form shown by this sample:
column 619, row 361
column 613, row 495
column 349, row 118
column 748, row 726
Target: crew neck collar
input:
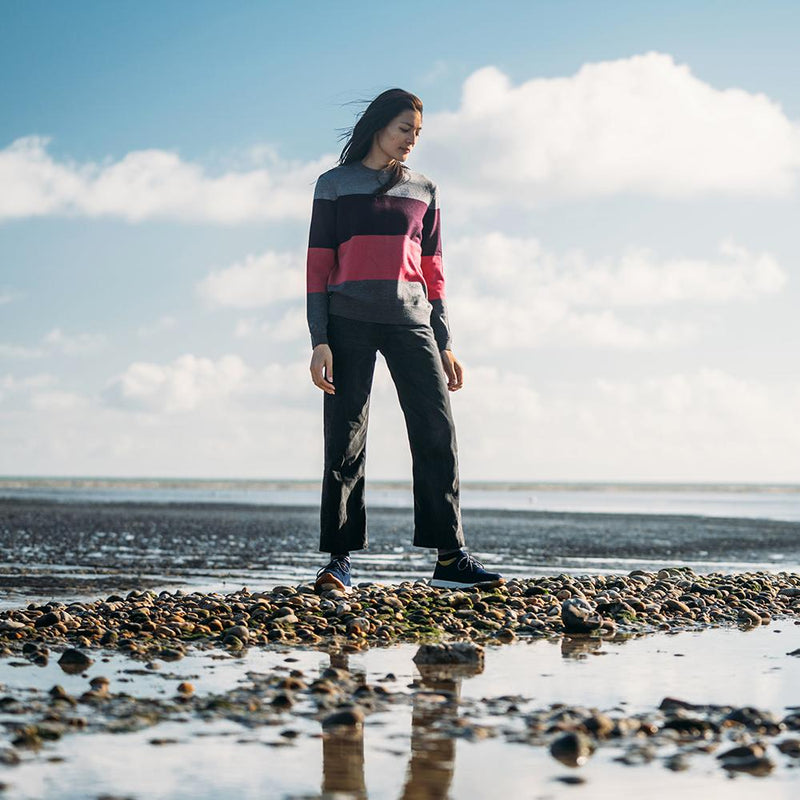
column 370, row 169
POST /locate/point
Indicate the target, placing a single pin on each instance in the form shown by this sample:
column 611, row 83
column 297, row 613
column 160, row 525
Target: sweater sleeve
column 321, row 259
column 433, row 273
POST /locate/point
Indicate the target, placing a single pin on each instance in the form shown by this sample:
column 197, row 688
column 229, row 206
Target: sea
column 743, row 500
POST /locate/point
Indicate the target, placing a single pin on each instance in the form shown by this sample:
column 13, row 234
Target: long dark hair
column 377, row 115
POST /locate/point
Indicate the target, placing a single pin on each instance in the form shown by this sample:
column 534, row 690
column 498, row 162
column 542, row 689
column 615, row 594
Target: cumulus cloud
column 20, row 351
column 56, row 341
column 691, row 425
column 545, row 297
column 498, row 264
column 199, row 416
column 181, row 386
column 695, row 425
column 150, row 184
column 165, row 322
column 39, row 392
column 56, row 400
column 259, row 280
column 76, row 344
column 12, row 386
column 289, row 327
column 191, row 382
column 642, row 125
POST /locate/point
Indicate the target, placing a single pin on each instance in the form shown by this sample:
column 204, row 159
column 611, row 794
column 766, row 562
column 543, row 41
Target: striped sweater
column 375, row 258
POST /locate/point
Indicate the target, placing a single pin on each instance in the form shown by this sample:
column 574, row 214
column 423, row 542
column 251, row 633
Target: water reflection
column 343, row 764
column 432, row 759
column 580, row 645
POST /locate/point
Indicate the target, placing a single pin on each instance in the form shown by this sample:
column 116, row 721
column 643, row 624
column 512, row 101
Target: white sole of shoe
column 440, row 584
column 326, row 582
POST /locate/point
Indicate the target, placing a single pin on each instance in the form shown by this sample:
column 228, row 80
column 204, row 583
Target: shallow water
column 400, row 753
column 753, row 501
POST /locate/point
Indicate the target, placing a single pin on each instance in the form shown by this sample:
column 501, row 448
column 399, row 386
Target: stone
column 74, row 661
column 749, row 758
column 450, row 653
column 790, row 747
column 572, row 748
column 352, row 718
column 579, row 616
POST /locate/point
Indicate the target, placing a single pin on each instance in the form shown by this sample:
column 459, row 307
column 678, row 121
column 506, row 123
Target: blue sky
column 621, row 255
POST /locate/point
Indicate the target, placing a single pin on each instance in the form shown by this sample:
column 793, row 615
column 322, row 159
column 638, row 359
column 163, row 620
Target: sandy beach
column 622, row 650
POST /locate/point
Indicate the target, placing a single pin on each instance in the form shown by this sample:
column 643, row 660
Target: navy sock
column 345, row 554
column 444, row 554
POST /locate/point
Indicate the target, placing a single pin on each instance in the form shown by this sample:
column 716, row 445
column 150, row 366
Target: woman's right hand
column 322, row 368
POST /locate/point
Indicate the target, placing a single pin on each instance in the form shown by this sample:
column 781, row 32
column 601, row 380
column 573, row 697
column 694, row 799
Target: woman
column 375, row 282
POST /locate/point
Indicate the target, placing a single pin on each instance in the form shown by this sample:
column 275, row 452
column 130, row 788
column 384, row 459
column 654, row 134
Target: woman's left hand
column 453, row 370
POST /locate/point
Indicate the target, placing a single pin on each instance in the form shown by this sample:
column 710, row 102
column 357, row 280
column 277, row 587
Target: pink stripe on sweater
column 364, row 258
column 320, row 263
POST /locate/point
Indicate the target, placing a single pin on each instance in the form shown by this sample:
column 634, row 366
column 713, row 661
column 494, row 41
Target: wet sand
column 75, row 548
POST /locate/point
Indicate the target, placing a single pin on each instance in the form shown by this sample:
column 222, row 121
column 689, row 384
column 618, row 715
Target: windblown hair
column 377, row 115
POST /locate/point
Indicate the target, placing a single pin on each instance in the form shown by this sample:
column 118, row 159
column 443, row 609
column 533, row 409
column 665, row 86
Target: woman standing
column 375, row 282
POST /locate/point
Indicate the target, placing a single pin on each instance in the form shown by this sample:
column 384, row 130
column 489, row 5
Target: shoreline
column 304, row 685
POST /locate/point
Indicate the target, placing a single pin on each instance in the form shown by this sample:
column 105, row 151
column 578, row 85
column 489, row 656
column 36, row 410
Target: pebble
column 73, row 661
column 347, row 718
column 455, row 653
column 572, row 749
column 579, row 616
column 147, row 625
column 747, row 758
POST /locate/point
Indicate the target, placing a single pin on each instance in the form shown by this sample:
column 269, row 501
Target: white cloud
column 642, row 124
column 7, row 297
column 11, row 385
column 542, row 297
column 703, row 424
column 20, row 351
column 191, row 382
column 547, row 298
column 695, row 425
column 181, row 386
column 9, row 381
column 56, row 341
column 290, row 327
column 39, row 392
column 74, row 345
column 199, row 416
column 257, row 281
column 163, row 323
column 56, row 400
column 151, row 184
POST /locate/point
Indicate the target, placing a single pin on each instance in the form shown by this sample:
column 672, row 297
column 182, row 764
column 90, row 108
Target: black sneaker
column 335, row 575
column 464, row 571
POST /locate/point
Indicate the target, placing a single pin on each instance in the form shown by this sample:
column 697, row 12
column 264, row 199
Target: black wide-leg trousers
column 416, row 368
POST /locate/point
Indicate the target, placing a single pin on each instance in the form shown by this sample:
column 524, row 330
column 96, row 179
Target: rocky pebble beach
column 147, row 624
column 451, row 627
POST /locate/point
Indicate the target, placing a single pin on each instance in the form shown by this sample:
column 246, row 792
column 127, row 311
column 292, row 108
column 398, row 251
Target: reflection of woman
column 433, row 750
column 375, row 282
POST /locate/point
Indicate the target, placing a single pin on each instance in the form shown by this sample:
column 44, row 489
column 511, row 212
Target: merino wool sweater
column 376, row 258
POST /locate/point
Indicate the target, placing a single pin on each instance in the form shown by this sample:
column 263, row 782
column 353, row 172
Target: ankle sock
column 447, row 557
column 344, row 555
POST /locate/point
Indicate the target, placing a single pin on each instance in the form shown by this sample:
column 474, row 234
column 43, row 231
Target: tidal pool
column 456, row 734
